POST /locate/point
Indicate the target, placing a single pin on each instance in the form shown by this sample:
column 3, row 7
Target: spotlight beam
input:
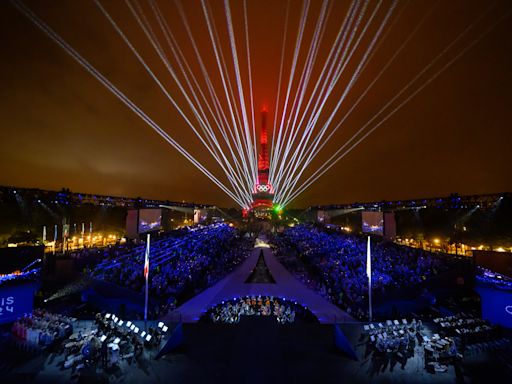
column 221, row 64
column 304, row 78
column 314, row 153
column 234, row 184
column 213, row 145
column 333, row 160
column 353, row 79
column 219, row 116
column 241, row 96
column 229, row 94
column 249, row 72
column 298, row 41
column 276, row 109
column 207, row 77
column 340, row 67
column 38, row 22
column 293, row 177
column 350, row 15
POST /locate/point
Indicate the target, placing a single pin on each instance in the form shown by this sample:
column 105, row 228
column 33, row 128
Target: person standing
column 104, row 354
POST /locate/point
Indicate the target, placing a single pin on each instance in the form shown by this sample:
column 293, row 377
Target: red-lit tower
column 263, row 192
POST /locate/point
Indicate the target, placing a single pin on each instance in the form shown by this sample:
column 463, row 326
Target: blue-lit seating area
column 196, row 259
column 334, row 264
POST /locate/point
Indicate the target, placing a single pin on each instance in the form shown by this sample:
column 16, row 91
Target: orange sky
column 62, row 128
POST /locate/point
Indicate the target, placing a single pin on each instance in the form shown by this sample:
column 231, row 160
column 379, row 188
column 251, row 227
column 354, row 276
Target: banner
column 15, row 301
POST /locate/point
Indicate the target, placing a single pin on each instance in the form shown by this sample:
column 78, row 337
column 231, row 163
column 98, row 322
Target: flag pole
column 54, row 238
column 369, row 274
column 146, row 276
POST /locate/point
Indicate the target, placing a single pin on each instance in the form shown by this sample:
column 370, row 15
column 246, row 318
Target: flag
column 146, row 261
column 369, row 275
column 44, row 234
column 146, row 275
column 368, row 260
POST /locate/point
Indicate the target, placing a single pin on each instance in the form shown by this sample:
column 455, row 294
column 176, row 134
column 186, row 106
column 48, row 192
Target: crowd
column 284, row 311
column 334, row 264
column 41, row 329
column 179, row 265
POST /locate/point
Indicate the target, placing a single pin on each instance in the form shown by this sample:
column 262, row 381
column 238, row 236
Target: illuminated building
column 263, row 192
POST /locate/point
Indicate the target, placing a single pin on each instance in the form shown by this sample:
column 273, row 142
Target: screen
column 200, row 216
column 496, row 305
column 149, row 220
column 15, row 301
column 373, row 222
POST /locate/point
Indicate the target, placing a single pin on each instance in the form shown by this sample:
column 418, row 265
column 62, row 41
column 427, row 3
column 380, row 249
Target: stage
column 286, row 286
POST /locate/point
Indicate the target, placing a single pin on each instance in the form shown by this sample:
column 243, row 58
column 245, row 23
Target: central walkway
column 237, row 284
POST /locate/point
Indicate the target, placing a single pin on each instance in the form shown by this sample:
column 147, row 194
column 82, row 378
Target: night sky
column 61, row 128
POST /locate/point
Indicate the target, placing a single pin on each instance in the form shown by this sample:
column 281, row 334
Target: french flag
column 146, row 260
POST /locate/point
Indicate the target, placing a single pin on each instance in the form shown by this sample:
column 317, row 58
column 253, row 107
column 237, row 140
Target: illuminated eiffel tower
column 263, row 192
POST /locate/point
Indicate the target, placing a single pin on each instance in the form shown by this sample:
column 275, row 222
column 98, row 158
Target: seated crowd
column 334, row 264
column 284, row 311
column 179, row 265
column 41, row 329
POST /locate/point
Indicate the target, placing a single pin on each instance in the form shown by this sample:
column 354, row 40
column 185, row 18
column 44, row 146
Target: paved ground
column 258, row 350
